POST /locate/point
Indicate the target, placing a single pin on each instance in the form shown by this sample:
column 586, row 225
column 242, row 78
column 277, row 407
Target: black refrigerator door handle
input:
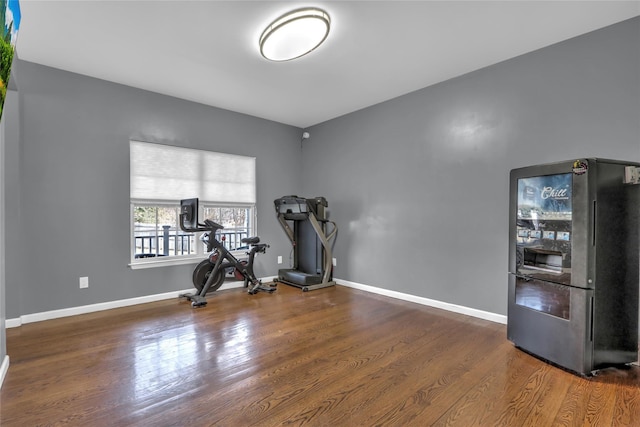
column 594, row 222
column 591, row 326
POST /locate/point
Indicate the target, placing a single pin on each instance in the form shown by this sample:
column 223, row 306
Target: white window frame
column 138, row 263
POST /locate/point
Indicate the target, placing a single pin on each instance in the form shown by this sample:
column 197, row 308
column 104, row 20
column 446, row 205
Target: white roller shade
column 163, row 172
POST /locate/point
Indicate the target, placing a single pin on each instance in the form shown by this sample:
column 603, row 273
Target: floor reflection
column 161, row 359
column 164, row 359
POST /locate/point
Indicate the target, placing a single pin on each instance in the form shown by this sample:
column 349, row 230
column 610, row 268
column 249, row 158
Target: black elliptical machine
column 305, row 224
column 209, row 275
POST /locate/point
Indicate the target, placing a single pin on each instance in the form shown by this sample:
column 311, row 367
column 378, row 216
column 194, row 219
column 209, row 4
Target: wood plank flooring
column 331, row 357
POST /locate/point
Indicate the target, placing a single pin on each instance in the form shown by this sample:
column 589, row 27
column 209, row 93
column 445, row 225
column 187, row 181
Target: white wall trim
column 73, row 311
column 83, row 309
column 12, row 323
column 3, row 369
column 486, row 315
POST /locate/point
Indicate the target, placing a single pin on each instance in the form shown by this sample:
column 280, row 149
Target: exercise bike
column 209, row 274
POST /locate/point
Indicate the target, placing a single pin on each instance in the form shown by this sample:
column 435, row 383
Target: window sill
column 156, row 262
column 166, row 262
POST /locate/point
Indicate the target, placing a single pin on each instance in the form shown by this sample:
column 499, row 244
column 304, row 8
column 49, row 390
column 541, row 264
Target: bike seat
column 251, row 240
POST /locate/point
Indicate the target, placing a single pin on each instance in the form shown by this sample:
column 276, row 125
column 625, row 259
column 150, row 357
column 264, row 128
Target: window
column 156, row 232
column 161, row 176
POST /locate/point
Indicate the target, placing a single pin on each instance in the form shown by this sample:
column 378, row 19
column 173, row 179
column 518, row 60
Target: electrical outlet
column 84, row 282
column 279, row 259
column 335, row 263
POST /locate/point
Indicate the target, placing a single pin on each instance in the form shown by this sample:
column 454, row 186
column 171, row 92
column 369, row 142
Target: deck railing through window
column 172, row 242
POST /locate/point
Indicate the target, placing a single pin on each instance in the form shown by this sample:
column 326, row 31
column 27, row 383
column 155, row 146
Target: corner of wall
column 4, row 368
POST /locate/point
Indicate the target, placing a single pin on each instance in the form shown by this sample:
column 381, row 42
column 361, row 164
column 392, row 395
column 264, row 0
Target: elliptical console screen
column 292, row 208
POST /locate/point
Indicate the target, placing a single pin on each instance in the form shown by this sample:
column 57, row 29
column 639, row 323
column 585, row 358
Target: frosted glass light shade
column 295, row 34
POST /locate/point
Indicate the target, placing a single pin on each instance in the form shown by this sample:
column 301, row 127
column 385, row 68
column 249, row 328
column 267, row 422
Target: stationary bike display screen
column 189, row 213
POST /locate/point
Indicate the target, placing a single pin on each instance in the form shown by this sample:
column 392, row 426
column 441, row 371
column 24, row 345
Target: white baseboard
column 12, row 323
column 3, row 369
column 73, row 311
column 486, row 315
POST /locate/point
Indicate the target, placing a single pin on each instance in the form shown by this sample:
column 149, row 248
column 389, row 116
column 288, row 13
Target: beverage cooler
column 574, row 263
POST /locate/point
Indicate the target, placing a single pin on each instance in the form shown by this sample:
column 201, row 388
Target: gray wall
column 9, row 133
column 68, row 206
column 423, row 179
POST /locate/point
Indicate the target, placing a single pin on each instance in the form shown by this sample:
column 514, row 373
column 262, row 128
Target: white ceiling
column 206, row 51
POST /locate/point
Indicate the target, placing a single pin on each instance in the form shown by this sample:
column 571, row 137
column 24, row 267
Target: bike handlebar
column 207, row 226
column 212, row 225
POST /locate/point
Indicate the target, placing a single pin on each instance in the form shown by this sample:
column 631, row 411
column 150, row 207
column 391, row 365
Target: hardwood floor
column 331, row 357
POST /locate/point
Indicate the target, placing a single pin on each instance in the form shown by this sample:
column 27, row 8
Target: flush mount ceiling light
column 295, row 34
